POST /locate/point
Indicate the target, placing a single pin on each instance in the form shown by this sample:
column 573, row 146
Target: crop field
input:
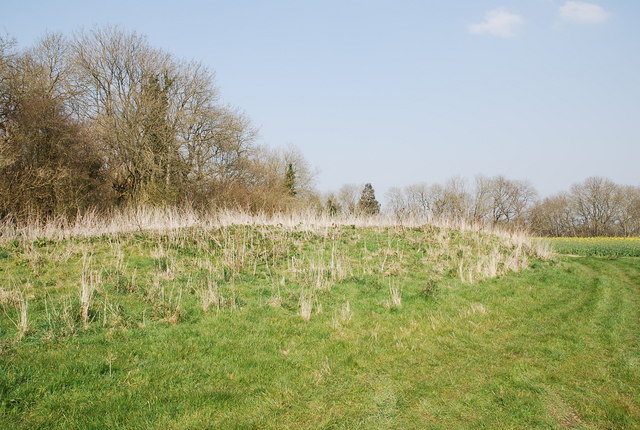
column 597, row 246
column 338, row 326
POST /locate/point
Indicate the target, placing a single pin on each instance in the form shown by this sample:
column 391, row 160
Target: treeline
column 104, row 120
column 595, row 207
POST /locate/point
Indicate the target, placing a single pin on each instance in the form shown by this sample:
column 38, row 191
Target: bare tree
column 397, row 202
column 128, row 98
column 510, row 201
column 348, row 196
column 7, row 103
column 457, row 199
column 481, row 204
column 627, row 201
column 554, row 216
column 49, row 165
column 418, row 199
column 594, row 203
column 159, row 120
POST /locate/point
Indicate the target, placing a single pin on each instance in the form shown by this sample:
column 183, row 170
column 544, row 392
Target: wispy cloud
column 498, row 22
column 578, row 11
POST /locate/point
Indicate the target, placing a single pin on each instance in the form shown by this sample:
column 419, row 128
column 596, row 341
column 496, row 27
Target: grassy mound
column 330, row 326
column 127, row 280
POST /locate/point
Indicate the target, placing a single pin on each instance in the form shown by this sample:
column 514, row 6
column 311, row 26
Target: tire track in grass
column 618, row 324
column 607, row 326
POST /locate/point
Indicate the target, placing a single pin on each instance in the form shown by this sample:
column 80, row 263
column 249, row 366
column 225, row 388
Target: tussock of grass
column 395, row 298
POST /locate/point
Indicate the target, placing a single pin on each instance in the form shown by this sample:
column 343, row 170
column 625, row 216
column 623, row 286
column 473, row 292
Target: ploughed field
column 316, row 327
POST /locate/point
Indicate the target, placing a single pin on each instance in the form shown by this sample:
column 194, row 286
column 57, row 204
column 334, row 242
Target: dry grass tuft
column 23, row 316
column 88, row 283
column 343, row 317
column 163, row 219
column 210, row 296
column 9, row 297
column 19, row 300
column 395, row 297
column 306, row 304
column 473, row 309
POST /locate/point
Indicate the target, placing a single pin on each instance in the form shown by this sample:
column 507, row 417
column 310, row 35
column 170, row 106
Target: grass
column 597, row 246
column 247, row 326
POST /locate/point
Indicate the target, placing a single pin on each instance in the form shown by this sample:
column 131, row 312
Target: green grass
column 597, row 246
column 552, row 346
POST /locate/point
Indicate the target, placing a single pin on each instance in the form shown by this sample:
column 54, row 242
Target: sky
column 402, row 92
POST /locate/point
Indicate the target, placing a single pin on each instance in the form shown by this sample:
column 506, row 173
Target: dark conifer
column 368, row 204
column 290, row 180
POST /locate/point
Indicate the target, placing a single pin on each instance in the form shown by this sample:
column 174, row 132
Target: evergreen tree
column 290, row 180
column 368, row 204
column 332, row 207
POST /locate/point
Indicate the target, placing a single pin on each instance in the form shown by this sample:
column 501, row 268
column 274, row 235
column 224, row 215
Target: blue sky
column 400, row 92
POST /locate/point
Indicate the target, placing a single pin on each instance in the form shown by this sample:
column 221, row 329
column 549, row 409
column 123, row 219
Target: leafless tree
column 627, row 200
column 348, row 197
column 418, row 199
column 159, row 119
column 510, row 200
column 49, row 165
column 554, row 216
column 594, row 204
column 397, row 202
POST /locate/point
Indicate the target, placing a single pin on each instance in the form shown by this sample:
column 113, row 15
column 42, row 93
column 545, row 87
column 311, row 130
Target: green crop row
column 598, row 246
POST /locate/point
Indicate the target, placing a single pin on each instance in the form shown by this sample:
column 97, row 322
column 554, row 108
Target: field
column 597, row 246
column 330, row 326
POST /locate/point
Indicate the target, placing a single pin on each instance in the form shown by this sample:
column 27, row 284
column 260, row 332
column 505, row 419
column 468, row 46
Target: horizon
column 547, row 91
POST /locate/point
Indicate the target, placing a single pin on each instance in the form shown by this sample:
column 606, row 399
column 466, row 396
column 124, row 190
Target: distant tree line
column 105, row 120
column 595, row 207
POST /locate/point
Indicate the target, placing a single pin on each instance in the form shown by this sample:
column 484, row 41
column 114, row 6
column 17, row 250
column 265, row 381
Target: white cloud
column 498, row 22
column 583, row 12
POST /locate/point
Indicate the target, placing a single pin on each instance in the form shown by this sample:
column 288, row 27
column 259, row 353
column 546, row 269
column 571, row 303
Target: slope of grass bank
column 342, row 327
